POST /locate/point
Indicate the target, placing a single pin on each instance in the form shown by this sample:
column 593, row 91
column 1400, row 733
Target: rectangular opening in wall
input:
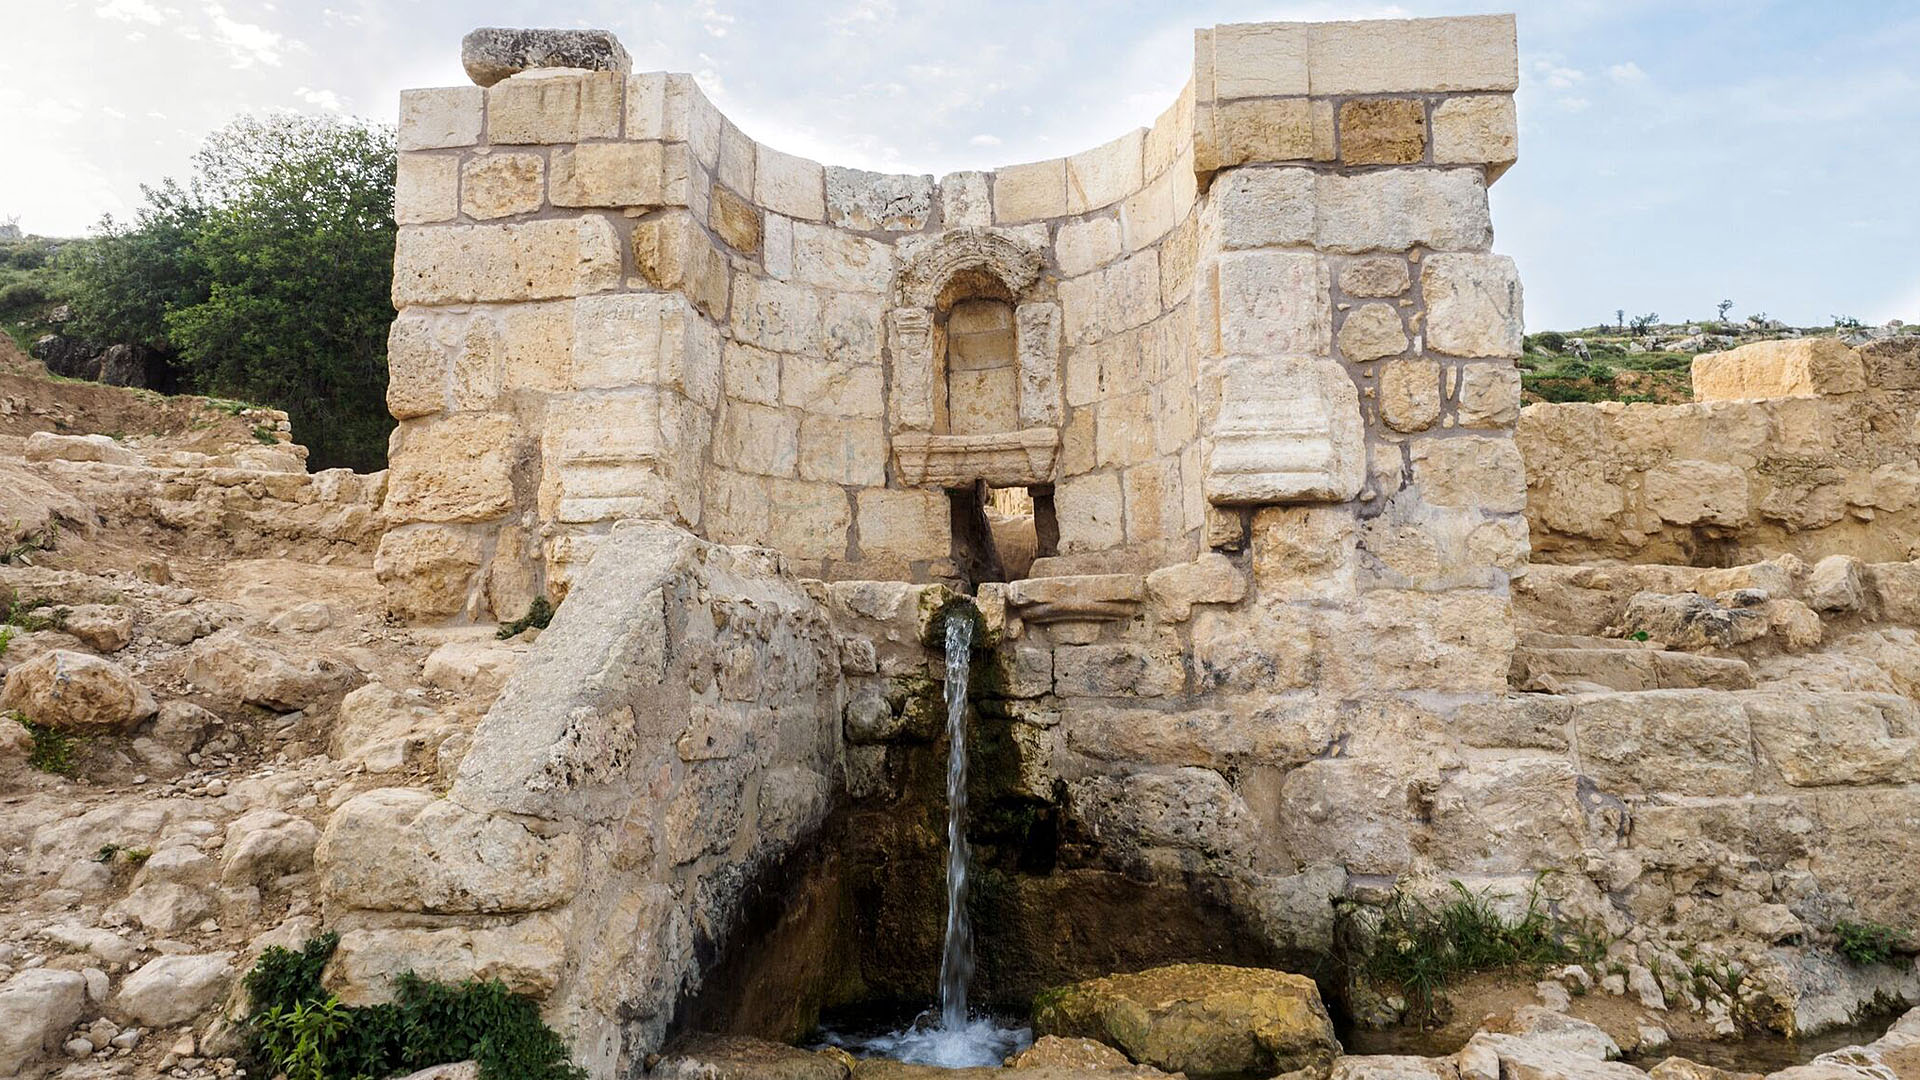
column 999, row 532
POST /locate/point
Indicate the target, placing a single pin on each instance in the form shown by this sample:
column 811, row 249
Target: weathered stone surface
column 1372, row 331
column 1683, row 742
column 234, row 667
column 426, row 188
column 455, row 469
column 265, row 845
column 1026, row 192
column 1393, row 1067
column 1476, row 129
column 1473, row 304
column 1489, row 395
column 554, row 106
column 626, row 174
column 868, row 201
column 1383, row 131
column 1837, row 584
column 1397, row 209
column 1410, row 394
column 532, row 260
column 437, row 119
column 1697, row 493
column 502, row 185
column 38, row 1008
column 77, row 692
column 47, row 446
column 1287, row 431
column 1200, row 1019
column 401, row 849
column 493, row 53
column 739, row 1057
column 1471, row 471
column 1799, row 367
column 426, row 569
column 1376, row 277
column 174, row 989
column 526, row 955
column 1210, row 579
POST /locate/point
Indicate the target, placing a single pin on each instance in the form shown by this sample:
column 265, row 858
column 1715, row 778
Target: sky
column 1673, row 153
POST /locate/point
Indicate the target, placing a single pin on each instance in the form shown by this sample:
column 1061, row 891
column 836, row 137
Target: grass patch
column 44, row 540
column 1867, row 943
column 54, row 751
column 539, row 614
column 1422, row 947
column 27, row 615
column 299, row 1031
column 264, row 434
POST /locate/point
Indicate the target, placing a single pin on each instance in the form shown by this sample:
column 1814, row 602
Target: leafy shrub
column 1551, row 341
column 299, row 1030
column 1867, row 943
column 539, row 614
column 1421, row 948
column 54, row 751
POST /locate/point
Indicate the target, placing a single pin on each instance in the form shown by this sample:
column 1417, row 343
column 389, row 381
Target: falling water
column 956, row 959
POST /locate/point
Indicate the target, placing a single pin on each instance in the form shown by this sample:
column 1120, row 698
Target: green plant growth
column 298, row 1030
column 54, row 751
column 27, row 615
column 1867, row 943
column 264, row 434
column 1421, row 947
column 43, row 540
column 539, row 614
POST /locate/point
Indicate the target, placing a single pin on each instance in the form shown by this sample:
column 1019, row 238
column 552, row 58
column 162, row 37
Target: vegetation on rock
column 539, row 614
column 1868, row 943
column 298, row 1030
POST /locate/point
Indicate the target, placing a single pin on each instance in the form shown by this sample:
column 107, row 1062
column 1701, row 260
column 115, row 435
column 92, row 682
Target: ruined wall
column 1795, row 447
column 614, row 304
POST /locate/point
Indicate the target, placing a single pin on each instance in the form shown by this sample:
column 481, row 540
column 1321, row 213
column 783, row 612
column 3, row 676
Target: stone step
column 1542, row 639
column 1559, row 670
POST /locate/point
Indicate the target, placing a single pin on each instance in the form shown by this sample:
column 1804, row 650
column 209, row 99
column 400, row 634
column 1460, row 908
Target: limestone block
column 1476, row 129
column 1678, row 742
column 618, row 174
column 832, row 389
column 1210, row 579
column 1028, row 192
column 1257, row 59
column 1106, row 302
column 1383, row 131
column 1272, row 303
column 907, row 524
column 528, row 956
column 1410, row 394
column 1105, row 174
column 426, row 187
column 1370, row 332
column 502, row 185
column 1264, row 207
column 1171, row 135
column 986, row 401
column 1288, row 430
column 1398, row 209
column 736, row 220
column 869, row 202
column 757, row 439
column 533, row 260
column 806, row 520
column 416, row 368
column 1697, row 493
column 427, row 569
column 1473, row 305
column 474, row 379
column 1123, row 430
column 1408, row 56
column 1085, row 245
column 438, row 119
column 1893, row 363
column 77, row 691
column 536, row 346
column 1460, row 640
column 736, row 164
column 1375, row 277
column 1336, row 811
column 1489, row 395
column 554, row 107
column 838, row 450
column 403, row 849
column 1837, row 584
column 628, row 339
column 453, row 469
column 173, row 990
column 1262, row 129
column 1471, row 471
column 1798, row 367
column 1090, row 512
column 851, row 328
column 834, row 258
column 775, row 315
column 1037, row 341
column 1154, row 499
column 1303, row 552
column 789, row 185
column 1826, row 740
column 493, row 53
column 1124, row 670
column 672, row 253
column 964, row 203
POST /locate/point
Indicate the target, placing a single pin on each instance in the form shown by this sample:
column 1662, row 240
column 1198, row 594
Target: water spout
column 956, row 958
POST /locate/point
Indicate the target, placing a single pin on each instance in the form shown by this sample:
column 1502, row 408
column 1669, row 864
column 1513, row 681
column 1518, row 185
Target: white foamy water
column 929, row 1041
column 956, row 958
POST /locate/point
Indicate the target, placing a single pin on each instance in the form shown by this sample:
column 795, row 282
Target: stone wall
column 1804, row 447
column 614, row 304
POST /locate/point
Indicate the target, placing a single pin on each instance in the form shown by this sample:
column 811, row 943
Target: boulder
column 264, row 845
column 402, row 849
column 475, row 668
column 307, row 618
column 1069, row 1054
column 1838, row 584
column 101, row 627
column 1689, row 621
column 46, row 446
column 1679, row 1068
column 77, row 691
column 181, row 626
column 1201, row 1019
column 1554, row 1030
column 38, row 1007
column 740, row 1057
column 1393, row 1067
column 174, row 989
column 234, row 667
column 493, row 53
column 1522, row 1058
column 383, row 729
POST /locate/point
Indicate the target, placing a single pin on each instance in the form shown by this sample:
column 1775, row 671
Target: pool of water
column 922, row 1039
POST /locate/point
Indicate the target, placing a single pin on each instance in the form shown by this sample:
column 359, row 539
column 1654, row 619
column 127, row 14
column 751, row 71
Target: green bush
column 539, row 614
column 1421, row 948
column 54, row 751
column 299, row 1030
column 1551, row 341
column 1868, row 943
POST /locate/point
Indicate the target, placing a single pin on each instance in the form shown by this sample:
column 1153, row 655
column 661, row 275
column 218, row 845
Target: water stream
column 956, row 955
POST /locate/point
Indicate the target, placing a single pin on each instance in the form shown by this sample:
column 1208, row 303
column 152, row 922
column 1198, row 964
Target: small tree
column 1845, row 322
column 1620, row 317
column 1724, row 306
column 1643, row 323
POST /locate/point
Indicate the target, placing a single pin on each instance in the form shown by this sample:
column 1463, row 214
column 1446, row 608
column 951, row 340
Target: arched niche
column 961, row 411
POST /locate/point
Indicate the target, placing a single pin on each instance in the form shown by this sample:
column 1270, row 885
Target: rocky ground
column 199, row 669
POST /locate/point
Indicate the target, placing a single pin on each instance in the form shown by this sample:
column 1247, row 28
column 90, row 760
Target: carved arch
column 1004, row 256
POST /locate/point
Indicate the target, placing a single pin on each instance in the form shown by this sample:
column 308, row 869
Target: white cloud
column 325, row 99
column 712, row 19
column 131, row 11
column 1627, row 74
column 246, row 43
column 984, row 140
